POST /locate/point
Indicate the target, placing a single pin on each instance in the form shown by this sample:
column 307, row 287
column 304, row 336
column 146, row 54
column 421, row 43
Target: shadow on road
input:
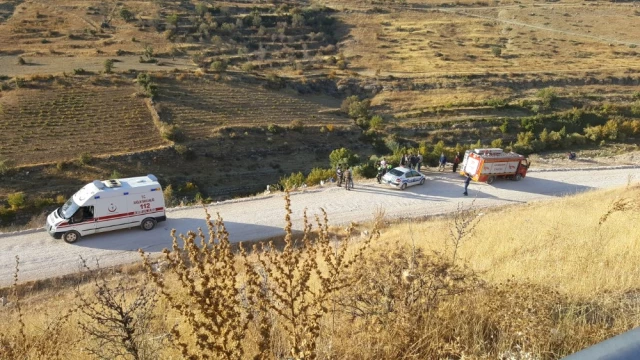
column 160, row 237
column 540, row 186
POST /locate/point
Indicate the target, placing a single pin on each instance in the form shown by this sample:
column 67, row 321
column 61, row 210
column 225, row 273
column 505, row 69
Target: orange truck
column 485, row 165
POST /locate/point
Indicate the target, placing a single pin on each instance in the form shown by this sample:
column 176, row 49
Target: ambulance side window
column 83, row 214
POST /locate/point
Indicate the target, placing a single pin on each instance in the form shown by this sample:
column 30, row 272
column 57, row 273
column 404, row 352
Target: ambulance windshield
column 68, row 209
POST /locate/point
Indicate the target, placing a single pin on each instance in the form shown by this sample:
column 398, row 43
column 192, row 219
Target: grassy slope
column 556, row 281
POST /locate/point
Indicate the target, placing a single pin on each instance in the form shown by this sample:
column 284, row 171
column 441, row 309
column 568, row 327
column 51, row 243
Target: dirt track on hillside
column 262, row 217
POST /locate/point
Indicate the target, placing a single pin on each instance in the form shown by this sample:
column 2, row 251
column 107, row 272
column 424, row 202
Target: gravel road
column 257, row 218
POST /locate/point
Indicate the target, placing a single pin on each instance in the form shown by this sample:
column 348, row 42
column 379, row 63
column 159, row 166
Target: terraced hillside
column 50, row 125
column 199, row 106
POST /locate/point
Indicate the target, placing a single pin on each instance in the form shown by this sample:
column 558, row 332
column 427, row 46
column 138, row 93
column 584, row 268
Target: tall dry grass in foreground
column 479, row 284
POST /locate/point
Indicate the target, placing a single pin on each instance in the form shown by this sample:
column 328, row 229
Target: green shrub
column 274, row 129
column 218, row 66
column 548, row 96
column 635, row 108
column 343, row 157
column 171, row 133
column 497, row 143
column 367, row 170
column 115, row 174
column 6, row 215
column 355, row 108
column 376, row 122
column 318, row 174
column 186, row 152
column 6, row 165
column 108, row 66
column 504, row 128
column 42, row 202
column 296, row 125
column 292, row 181
column 248, row 67
column 169, row 197
column 85, row 159
column 496, row 51
column 126, row 15
column 16, row 200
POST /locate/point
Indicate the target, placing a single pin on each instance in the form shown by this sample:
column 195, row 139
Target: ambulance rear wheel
column 148, row 224
column 491, row 179
column 518, row 177
column 71, row 236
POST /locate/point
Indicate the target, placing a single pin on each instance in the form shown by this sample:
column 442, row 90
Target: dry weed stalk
column 47, row 342
column 392, row 309
column 299, row 281
column 464, row 222
column 117, row 326
column 211, row 305
column 618, row 205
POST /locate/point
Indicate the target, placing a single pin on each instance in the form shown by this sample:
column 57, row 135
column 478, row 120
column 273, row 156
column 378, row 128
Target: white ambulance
column 109, row 205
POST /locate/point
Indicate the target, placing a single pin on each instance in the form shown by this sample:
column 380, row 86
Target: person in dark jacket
column 414, row 161
column 456, row 161
column 466, row 184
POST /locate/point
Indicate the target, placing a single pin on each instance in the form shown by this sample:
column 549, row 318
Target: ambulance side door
column 84, row 220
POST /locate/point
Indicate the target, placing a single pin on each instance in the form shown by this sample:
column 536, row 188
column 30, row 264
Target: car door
column 413, row 177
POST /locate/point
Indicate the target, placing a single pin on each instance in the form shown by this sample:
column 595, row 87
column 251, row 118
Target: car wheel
column 403, row 186
column 422, row 181
column 148, row 224
column 518, row 177
column 491, row 179
column 71, row 236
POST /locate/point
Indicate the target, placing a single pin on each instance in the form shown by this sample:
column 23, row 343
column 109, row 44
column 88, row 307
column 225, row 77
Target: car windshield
column 68, row 209
column 396, row 172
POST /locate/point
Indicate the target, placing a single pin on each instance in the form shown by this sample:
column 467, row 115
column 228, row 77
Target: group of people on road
column 344, row 176
column 411, row 161
column 443, row 162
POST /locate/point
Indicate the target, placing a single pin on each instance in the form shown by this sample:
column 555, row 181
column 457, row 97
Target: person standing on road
column 348, row 179
column 403, row 161
column 456, row 161
column 339, row 175
column 466, row 184
column 414, row 161
column 443, row 162
column 419, row 161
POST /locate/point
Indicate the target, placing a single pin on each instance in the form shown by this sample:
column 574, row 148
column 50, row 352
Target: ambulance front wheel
column 148, row 224
column 491, row 179
column 518, row 177
column 71, row 236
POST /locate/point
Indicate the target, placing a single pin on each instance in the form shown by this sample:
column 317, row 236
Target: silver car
column 402, row 177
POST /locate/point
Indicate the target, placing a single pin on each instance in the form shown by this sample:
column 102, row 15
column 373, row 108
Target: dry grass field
column 541, row 280
column 531, row 37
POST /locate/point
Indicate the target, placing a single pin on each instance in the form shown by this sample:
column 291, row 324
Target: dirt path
column 57, row 65
column 257, row 218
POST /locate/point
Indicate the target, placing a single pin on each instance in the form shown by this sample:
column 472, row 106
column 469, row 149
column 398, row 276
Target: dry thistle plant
column 207, row 295
column 297, row 284
column 45, row 342
column 464, row 222
column 392, row 308
column 117, row 326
